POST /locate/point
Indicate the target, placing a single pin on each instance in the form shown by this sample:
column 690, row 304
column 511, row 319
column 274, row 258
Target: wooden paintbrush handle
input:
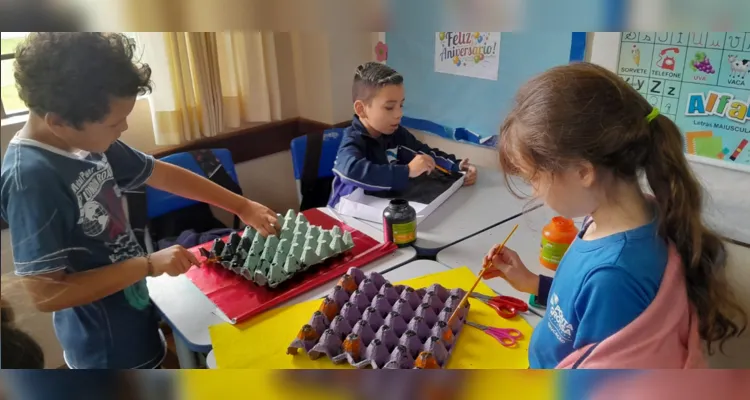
column 485, row 265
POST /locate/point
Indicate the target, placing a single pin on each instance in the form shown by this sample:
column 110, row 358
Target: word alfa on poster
column 472, row 54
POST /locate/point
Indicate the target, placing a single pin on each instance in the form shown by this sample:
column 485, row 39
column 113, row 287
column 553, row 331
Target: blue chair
column 151, row 204
column 159, row 202
column 331, row 141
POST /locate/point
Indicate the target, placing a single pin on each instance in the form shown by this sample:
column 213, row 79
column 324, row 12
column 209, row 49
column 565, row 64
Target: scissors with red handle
column 508, row 337
column 505, row 306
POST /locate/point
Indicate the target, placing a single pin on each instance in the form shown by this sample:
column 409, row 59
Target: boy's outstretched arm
column 443, row 159
column 173, row 179
column 60, row 289
column 43, row 220
column 352, row 166
column 132, row 169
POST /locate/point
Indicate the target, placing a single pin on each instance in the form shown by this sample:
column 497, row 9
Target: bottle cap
column 563, row 224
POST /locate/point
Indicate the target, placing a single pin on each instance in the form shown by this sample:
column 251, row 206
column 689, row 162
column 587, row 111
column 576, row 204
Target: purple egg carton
column 369, row 322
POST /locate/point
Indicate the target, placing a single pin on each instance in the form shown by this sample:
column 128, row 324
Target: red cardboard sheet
column 240, row 299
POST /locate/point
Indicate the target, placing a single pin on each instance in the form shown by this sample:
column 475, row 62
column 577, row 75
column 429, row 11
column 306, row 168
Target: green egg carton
column 276, row 259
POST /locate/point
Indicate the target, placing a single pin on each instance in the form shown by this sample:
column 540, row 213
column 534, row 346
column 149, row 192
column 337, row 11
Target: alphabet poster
column 701, row 80
column 472, row 54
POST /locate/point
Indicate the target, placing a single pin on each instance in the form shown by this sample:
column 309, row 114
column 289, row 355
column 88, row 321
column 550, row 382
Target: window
column 10, row 104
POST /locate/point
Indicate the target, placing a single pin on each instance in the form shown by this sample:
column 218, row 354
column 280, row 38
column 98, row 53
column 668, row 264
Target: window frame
column 3, row 115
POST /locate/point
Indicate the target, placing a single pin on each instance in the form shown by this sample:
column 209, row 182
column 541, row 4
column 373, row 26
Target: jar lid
column 563, row 223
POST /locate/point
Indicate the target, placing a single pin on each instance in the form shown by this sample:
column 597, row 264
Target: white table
column 189, row 312
column 472, row 209
column 526, row 242
column 411, row 270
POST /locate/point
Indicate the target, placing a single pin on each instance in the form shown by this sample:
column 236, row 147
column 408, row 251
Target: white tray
column 370, row 208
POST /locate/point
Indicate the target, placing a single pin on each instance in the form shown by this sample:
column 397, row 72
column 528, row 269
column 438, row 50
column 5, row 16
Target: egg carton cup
column 274, row 260
column 370, row 323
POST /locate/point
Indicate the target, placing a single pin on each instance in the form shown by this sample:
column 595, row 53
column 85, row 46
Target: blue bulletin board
column 468, row 109
column 701, row 80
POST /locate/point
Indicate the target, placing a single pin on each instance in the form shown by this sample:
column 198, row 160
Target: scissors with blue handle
column 505, row 306
column 508, row 337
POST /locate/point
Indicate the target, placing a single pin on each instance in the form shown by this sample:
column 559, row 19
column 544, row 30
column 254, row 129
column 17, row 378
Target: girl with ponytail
column 643, row 284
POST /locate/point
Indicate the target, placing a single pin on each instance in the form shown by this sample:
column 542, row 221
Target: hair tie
column 652, row 115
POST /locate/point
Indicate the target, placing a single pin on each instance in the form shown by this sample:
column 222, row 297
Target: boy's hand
column 508, row 265
column 173, row 261
column 420, row 164
column 260, row 217
column 471, row 172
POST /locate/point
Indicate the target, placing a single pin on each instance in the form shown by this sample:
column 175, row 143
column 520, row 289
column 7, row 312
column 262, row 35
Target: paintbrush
column 441, row 169
column 437, row 167
column 487, row 264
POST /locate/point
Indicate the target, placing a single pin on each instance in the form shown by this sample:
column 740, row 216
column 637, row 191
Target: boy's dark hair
column 370, row 77
column 76, row 74
column 583, row 111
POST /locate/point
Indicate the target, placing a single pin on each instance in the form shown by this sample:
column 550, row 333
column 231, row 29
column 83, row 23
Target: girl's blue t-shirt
column 600, row 287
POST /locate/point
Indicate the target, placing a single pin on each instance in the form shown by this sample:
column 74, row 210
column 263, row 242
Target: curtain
column 249, row 77
column 207, row 83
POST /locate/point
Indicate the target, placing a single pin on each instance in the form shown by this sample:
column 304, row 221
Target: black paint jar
column 400, row 223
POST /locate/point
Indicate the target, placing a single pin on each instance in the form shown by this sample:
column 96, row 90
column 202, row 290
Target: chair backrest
column 331, row 141
column 159, row 202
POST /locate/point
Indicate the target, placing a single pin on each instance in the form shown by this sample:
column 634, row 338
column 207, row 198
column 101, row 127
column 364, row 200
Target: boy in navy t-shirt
column 62, row 181
column 376, row 152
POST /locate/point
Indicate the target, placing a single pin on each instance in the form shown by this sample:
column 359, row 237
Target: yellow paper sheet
column 277, row 385
column 262, row 341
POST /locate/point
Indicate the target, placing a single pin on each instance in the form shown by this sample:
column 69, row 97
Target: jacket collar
column 359, row 128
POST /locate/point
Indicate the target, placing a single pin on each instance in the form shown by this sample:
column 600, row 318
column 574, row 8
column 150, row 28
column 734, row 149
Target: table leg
column 185, row 356
column 211, row 360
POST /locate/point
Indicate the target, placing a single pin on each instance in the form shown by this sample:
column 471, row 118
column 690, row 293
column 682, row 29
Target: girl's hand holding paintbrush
column 485, row 265
column 507, row 264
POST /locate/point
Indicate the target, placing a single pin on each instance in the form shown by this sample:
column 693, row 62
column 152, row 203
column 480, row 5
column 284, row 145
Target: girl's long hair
column 583, row 111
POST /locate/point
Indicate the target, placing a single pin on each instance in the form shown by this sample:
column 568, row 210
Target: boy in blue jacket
column 376, row 152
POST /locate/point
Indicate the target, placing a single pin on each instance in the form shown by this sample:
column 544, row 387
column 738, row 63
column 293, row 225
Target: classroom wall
column 458, row 101
column 315, row 72
column 738, row 274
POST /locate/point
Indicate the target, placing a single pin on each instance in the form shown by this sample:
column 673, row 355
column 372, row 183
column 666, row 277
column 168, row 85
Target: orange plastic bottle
column 556, row 238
